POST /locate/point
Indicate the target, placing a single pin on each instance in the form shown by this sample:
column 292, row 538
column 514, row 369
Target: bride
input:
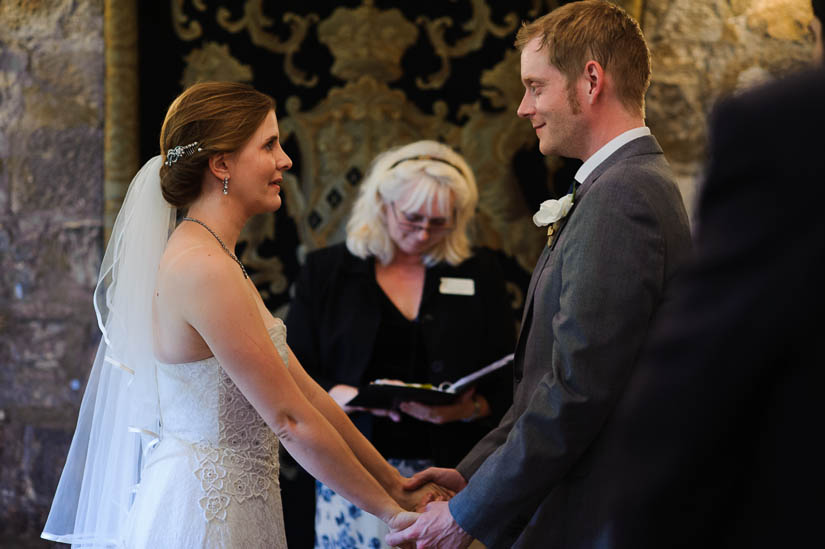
column 194, row 386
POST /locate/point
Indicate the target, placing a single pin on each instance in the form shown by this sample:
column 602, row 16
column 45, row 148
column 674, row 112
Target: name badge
column 457, row 286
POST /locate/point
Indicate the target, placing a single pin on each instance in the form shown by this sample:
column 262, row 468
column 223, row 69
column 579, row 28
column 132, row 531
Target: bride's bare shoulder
column 189, row 263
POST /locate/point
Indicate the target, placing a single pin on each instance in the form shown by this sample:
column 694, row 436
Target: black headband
column 433, row 159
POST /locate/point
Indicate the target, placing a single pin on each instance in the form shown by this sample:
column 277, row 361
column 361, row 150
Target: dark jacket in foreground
column 718, row 442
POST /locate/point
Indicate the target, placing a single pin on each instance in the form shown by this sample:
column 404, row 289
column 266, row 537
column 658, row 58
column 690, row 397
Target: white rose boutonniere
column 551, row 212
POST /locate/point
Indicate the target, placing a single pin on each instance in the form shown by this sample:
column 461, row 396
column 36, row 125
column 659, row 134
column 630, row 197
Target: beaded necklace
column 213, row 233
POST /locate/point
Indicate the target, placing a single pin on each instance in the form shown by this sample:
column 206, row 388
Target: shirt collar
column 607, row 149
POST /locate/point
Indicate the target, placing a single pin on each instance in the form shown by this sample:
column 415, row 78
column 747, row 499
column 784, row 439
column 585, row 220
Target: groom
column 605, row 274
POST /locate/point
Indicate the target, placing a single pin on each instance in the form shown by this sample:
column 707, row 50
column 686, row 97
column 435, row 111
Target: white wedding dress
column 212, row 480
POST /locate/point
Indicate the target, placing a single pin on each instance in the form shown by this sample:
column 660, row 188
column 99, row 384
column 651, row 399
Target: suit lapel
column 563, row 223
column 642, row 145
column 527, row 316
column 542, row 261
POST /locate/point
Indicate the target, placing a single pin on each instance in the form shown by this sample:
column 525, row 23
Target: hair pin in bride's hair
column 173, row 155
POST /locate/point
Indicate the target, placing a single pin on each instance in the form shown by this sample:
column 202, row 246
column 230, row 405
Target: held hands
column 416, row 499
column 402, row 519
column 434, row 528
column 450, row 479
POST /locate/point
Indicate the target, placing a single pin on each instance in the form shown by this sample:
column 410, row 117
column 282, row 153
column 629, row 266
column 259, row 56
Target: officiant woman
column 405, row 298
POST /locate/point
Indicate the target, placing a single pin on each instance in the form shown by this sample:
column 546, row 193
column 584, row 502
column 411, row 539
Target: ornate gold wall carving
column 184, row 28
column 478, row 26
column 367, row 41
column 338, row 137
column 254, row 21
column 213, row 62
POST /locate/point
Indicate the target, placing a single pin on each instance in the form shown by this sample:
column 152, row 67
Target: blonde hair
column 220, row 117
column 577, row 32
column 430, row 170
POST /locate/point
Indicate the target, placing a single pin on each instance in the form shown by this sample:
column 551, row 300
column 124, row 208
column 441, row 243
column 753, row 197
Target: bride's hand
column 416, row 500
column 400, row 521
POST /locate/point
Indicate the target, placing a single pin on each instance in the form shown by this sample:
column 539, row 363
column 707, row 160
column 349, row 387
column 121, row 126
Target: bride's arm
column 218, row 303
column 386, row 474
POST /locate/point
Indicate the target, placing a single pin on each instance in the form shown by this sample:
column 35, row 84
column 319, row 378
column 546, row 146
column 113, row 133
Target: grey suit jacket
column 590, row 303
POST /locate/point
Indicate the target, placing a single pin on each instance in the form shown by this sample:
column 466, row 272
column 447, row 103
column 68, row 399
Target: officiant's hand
column 448, row 478
column 344, row 393
column 468, row 407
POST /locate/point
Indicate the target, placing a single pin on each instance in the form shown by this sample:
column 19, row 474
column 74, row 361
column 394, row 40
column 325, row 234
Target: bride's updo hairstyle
column 220, row 117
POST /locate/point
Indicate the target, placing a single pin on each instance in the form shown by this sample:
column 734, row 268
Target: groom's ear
column 219, row 165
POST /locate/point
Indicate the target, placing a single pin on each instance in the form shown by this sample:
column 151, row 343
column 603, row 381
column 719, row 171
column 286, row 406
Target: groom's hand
column 448, row 478
column 435, row 528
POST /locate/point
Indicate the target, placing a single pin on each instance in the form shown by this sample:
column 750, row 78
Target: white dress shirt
column 607, row 149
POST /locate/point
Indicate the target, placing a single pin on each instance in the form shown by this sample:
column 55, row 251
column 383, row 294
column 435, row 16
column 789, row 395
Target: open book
column 387, row 394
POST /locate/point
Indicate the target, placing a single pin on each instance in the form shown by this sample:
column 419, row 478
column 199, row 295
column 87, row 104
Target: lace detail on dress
column 244, row 463
column 217, row 459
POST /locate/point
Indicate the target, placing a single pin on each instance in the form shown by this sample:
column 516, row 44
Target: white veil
column 119, row 417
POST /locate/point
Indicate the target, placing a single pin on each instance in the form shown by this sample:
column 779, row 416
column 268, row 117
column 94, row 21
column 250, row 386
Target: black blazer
column 334, row 317
column 717, row 441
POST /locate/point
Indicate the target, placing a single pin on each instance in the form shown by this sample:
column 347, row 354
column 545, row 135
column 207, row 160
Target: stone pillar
column 51, row 204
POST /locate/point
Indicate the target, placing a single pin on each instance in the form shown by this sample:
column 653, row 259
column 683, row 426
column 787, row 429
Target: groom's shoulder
column 630, row 179
column 635, row 163
column 636, row 188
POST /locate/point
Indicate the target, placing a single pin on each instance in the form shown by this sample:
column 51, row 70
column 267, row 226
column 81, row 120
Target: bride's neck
column 220, row 216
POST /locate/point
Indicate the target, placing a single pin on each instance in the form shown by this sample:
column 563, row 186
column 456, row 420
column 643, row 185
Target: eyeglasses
column 413, row 222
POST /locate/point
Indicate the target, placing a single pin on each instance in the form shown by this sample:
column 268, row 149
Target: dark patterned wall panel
column 352, row 79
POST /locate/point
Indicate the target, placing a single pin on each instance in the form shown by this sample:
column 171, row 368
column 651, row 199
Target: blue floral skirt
column 341, row 525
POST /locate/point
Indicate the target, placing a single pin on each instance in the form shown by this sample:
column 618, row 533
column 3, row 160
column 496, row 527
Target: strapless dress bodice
column 199, row 403
column 216, row 458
